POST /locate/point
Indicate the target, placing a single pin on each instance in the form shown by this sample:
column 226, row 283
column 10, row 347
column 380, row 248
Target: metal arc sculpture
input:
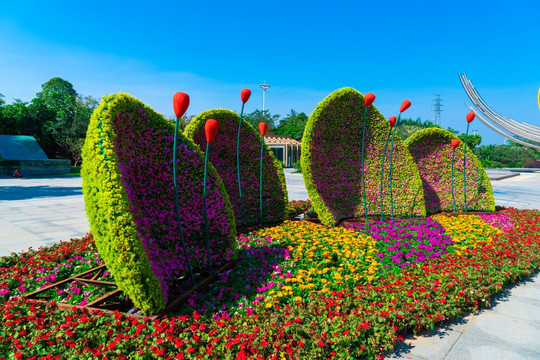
column 510, row 129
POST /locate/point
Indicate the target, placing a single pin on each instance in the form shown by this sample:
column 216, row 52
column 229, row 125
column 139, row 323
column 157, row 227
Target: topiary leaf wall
column 223, row 157
column 331, row 162
column 432, row 153
column 129, row 198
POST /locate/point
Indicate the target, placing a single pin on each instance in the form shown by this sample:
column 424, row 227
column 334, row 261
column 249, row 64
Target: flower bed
column 243, row 316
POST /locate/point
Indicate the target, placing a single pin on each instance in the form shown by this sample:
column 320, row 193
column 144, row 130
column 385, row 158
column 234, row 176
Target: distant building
column 285, row 148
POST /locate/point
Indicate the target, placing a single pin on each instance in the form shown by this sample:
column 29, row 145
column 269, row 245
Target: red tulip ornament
column 455, row 143
column 470, row 117
column 369, row 99
column 180, row 103
column 392, row 121
column 262, row 128
column 244, row 95
column 405, row 105
column 211, row 128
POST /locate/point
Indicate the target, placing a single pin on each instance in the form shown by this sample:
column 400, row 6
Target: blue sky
column 303, row 49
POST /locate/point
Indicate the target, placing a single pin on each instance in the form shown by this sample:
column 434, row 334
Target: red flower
column 369, row 99
column 244, row 95
column 321, row 344
column 262, row 128
column 392, row 121
column 405, row 105
column 180, row 103
column 455, row 143
column 211, row 128
column 470, row 117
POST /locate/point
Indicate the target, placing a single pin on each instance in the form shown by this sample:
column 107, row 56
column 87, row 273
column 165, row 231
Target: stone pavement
column 41, row 211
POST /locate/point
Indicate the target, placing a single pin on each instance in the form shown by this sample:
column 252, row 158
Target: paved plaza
column 38, row 212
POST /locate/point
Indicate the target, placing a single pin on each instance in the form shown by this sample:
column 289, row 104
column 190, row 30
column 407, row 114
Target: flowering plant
column 331, row 161
column 223, row 157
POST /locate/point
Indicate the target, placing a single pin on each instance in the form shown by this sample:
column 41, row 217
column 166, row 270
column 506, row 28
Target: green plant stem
column 261, row 181
column 453, row 200
column 238, row 166
column 464, row 169
column 382, row 172
column 205, row 210
column 177, row 206
column 391, row 168
column 363, row 172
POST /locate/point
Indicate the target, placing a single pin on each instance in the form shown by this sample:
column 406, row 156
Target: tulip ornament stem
column 262, row 128
column 453, row 199
column 368, row 100
column 244, row 96
column 404, row 106
column 180, row 103
column 392, row 121
column 470, row 118
column 455, row 144
column 211, row 127
column 205, row 209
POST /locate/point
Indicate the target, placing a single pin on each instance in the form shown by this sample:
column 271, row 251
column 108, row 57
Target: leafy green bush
column 331, row 162
column 297, row 166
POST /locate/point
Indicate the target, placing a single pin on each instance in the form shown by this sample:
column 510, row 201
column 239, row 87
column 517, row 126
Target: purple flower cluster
column 336, row 159
column 406, row 242
column 261, row 265
column 223, row 157
column 432, row 153
column 145, row 162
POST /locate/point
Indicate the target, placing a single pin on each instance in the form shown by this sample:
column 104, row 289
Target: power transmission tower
column 437, row 109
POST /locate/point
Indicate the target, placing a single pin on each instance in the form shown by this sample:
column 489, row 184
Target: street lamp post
column 264, row 86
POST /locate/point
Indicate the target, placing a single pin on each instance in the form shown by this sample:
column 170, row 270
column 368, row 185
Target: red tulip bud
column 405, row 105
column 262, row 128
column 211, row 128
column 455, row 143
column 180, row 103
column 369, row 99
column 244, row 95
column 392, row 121
column 470, row 117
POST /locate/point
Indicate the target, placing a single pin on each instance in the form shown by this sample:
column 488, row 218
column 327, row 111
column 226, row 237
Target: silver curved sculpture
column 508, row 128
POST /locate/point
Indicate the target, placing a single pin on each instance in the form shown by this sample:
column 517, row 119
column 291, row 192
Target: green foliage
column 258, row 116
column 408, row 127
column 55, row 117
column 432, row 152
column 472, row 140
column 297, row 167
column 505, row 155
column 331, row 162
column 293, row 125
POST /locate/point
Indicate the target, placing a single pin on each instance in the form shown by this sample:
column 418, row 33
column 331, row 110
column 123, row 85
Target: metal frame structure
column 502, row 125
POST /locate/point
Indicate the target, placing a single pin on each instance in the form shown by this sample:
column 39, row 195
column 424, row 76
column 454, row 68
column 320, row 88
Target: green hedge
column 223, row 157
column 129, row 199
column 432, row 152
column 331, row 162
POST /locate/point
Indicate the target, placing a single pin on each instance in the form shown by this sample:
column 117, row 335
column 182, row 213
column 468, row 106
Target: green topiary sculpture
column 128, row 190
column 331, row 162
column 432, row 151
column 223, row 157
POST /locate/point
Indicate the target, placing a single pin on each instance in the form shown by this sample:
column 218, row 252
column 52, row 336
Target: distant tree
column 258, row 116
column 293, row 125
column 184, row 120
column 2, row 101
column 472, row 140
column 407, row 127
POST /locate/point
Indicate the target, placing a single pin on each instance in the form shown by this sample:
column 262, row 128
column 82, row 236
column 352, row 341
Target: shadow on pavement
column 30, row 192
